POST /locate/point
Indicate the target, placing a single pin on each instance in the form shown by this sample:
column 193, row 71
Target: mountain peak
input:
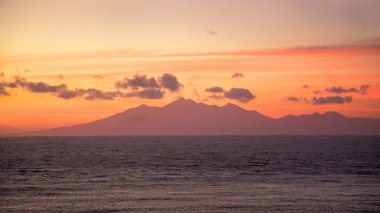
column 182, row 102
column 232, row 106
column 334, row 114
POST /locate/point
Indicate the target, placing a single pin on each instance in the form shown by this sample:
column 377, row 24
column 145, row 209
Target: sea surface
column 190, row 174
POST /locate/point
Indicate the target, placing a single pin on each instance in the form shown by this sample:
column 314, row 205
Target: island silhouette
column 187, row 117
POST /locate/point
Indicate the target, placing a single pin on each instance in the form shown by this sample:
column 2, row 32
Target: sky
column 75, row 61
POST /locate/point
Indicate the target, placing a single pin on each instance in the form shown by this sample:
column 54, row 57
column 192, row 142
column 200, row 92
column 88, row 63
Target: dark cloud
column 170, row 82
column 95, row 94
column 237, row 75
column 240, row 94
column 4, row 85
column 215, row 90
column 166, row 81
column 293, row 99
column 363, row 89
column 89, row 94
column 150, row 94
column 317, row 92
column 142, row 87
column 61, row 90
column 10, row 84
column 331, row 100
column 339, row 90
column 69, row 94
column 3, row 91
column 306, row 86
column 138, row 81
column 1, row 75
column 39, row 87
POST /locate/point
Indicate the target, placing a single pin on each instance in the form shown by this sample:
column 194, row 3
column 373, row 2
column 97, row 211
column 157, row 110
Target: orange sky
column 278, row 48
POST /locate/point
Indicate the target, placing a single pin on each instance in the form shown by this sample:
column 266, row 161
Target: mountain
column 186, row 117
column 9, row 129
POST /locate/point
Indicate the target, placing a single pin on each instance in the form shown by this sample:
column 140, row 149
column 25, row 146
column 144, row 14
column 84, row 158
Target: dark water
column 190, row 174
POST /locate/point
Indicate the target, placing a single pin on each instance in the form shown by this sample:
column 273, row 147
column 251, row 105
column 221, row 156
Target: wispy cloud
column 293, row 99
column 98, row 76
column 331, row 100
column 39, row 87
column 126, row 53
column 339, row 90
column 213, row 33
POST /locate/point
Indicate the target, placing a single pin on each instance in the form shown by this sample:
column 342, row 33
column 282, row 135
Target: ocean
column 190, row 174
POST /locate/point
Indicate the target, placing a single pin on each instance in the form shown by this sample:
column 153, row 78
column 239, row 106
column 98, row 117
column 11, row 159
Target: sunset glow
column 294, row 57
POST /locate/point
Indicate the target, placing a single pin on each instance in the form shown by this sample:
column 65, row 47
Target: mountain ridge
column 187, row 117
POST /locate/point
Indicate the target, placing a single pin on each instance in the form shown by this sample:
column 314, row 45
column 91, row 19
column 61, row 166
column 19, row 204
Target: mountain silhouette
column 9, row 129
column 186, row 117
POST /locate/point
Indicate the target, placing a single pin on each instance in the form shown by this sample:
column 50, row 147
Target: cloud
column 237, row 75
column 60, row 77
column 10, row 84
column 95, row 94
column 142, row 87
column 150, row 94
column 138, row 81
column 62, row 91
column 240, row 94
column 99, row 76
column 69, row 94
column 369, row 41
column 362, row 48
column 3, row 91
column 293, row 99
column 170, row 82
column 339, row 90
column 215, row 89
column 363, row 89
column 195, row 91
column 89, row 94
column 166, row 81
column 306, row 86
column 39, row 87
column 214, row 96
column 4, row 85
column 317, row 92
column 211, row 32
column 331, row 100
column 1, row 75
